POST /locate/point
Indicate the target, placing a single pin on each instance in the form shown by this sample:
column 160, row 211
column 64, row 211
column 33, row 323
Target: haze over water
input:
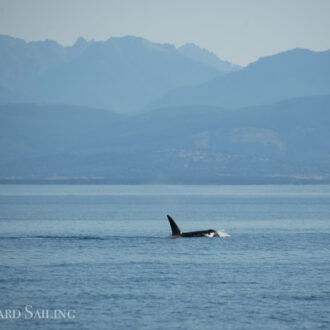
column 105, row 252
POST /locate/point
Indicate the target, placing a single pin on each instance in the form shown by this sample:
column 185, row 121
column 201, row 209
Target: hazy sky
column 236, row 30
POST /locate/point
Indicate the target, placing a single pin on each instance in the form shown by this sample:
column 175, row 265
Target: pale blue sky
column 236, row 30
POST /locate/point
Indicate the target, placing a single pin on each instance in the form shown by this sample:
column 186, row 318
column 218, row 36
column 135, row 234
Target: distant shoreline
column 170, row 181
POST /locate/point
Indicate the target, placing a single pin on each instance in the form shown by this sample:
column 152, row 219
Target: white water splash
column 222, row 233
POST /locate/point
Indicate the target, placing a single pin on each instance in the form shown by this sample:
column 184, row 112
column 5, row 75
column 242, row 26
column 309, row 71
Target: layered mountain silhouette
column 208, row 58
column 285, row 142
column 296, row 73
column 129, row 74
column 123, row 74
column 193, row 117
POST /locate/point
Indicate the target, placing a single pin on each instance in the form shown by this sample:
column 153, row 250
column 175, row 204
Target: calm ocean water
column 104, row 254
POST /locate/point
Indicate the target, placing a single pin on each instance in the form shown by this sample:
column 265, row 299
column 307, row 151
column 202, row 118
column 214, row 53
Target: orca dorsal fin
column 175, row 229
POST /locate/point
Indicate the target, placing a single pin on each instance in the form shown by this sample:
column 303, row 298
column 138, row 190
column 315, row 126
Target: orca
column 176, row 232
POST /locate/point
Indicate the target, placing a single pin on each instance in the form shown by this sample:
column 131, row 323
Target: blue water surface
column 104, row 253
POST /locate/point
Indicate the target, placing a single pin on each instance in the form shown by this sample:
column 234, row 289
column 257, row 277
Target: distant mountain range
column 208, row 58
column 132, row 75
column 123, row 74
column 287, row 142
column 296, row 73
column 193, row 118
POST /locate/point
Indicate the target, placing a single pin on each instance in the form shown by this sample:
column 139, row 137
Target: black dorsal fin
column 175, row 229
